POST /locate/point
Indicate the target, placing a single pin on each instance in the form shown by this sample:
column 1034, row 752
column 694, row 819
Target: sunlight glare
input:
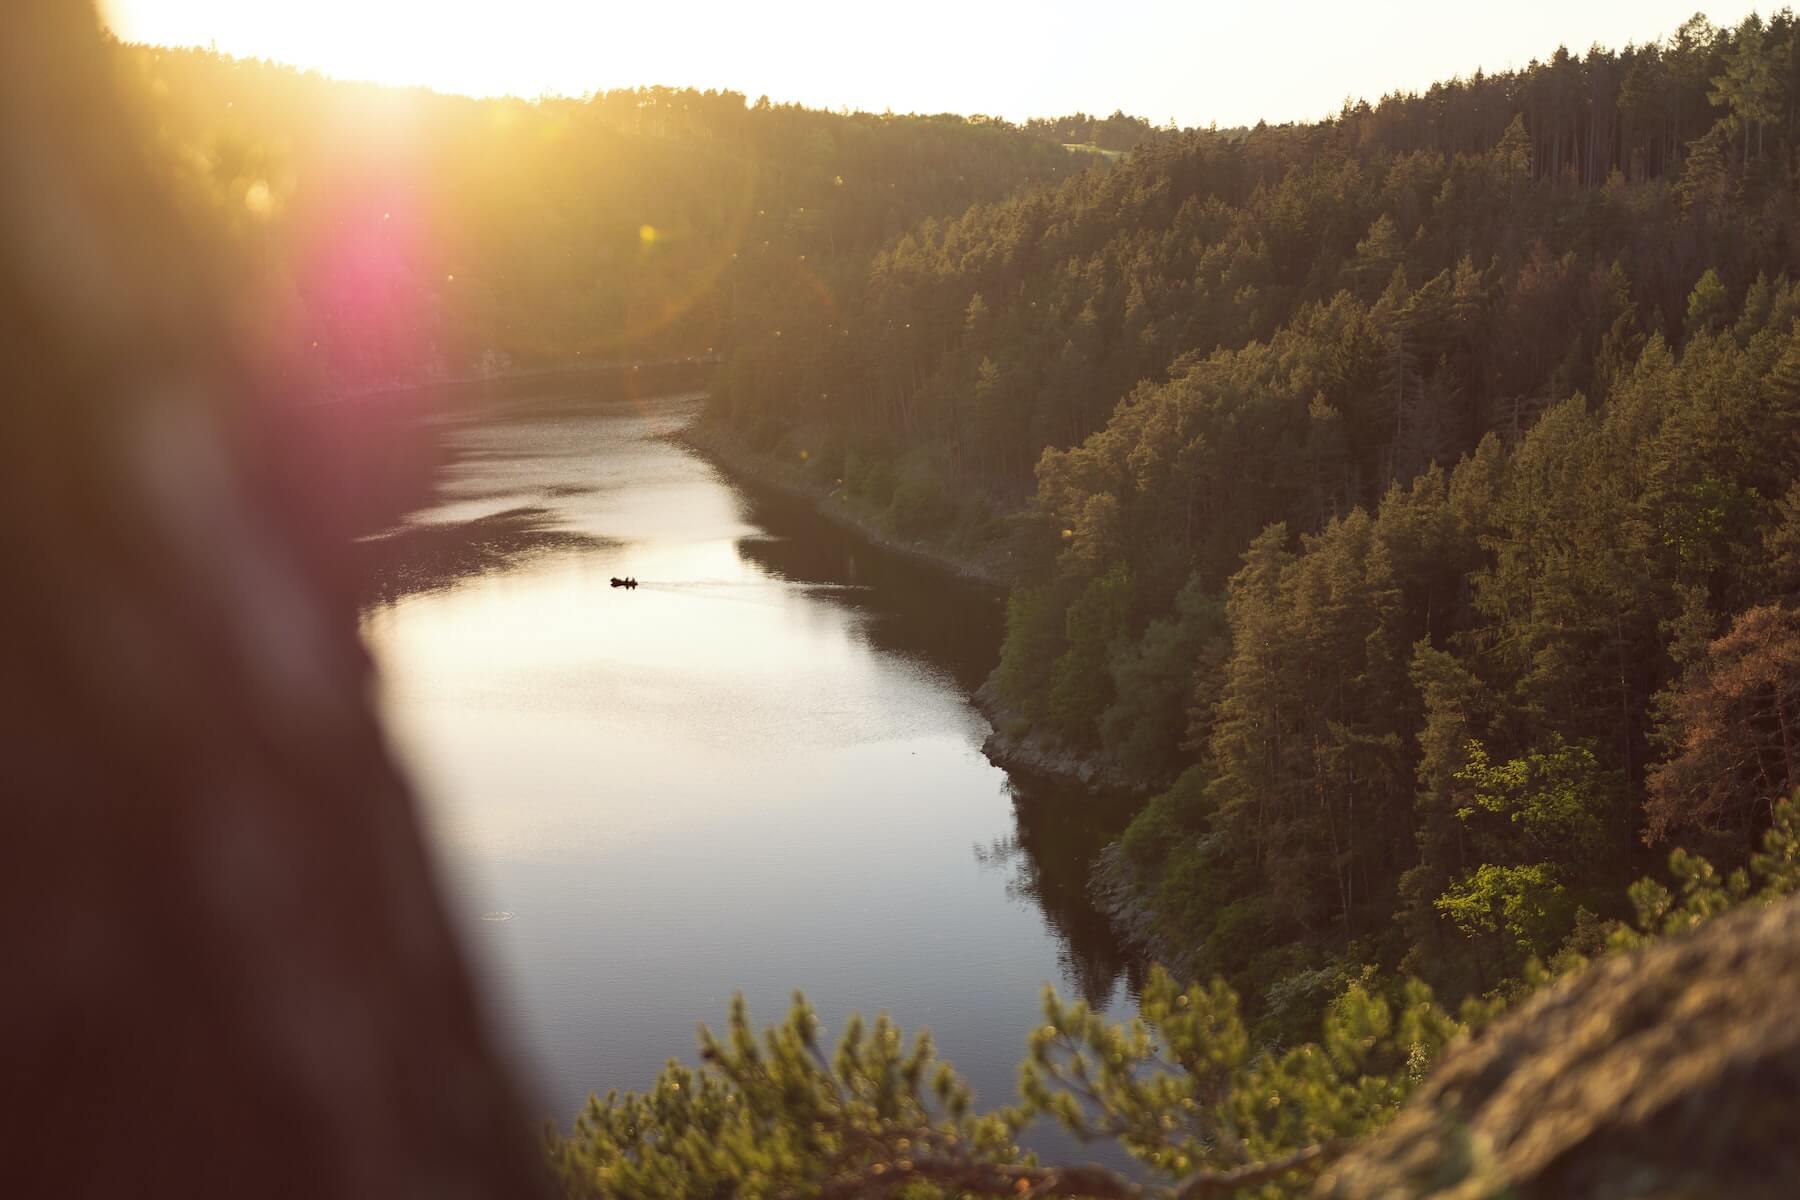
column 479, row 49
column 1191, row 60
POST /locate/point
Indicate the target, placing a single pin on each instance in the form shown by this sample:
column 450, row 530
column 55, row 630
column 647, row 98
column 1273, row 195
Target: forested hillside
column 1414, row 490
column 401, row 235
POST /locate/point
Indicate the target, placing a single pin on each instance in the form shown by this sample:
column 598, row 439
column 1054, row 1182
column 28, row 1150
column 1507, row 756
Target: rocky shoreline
column 1119, row 890
column 1014, row 744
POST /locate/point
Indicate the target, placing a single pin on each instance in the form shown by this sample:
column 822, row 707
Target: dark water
column 760, row 771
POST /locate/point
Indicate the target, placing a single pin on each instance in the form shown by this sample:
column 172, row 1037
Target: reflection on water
column 757, row 771
column 1048, row 855
column 427, row 557
column 934, row 618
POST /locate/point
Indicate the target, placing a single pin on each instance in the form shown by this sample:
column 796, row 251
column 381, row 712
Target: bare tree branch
column 1223, row 1183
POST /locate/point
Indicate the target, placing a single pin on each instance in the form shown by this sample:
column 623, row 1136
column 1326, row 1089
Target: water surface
column 759, row 771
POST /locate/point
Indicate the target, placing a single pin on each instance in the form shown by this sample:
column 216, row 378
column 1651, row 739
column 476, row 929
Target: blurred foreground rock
column 228, row 972
column 1675, row 1073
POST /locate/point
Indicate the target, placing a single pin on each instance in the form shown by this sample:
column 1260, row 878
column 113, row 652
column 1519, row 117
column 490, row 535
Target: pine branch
column 1223, row 1183
column 1087, row 1181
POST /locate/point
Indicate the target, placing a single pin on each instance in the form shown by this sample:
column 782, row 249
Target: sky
column 1198, row 63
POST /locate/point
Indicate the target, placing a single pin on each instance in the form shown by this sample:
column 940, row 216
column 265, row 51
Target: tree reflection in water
column 429, row 557
column 1062, row 827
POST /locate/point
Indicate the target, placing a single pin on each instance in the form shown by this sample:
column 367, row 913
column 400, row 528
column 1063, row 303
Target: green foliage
column 1555, row 799
column 1180, row 1087
column 774, row 1117
column 920, row 506
column 1707, row 306
column 1179, row 660
column 1535, row 823
column 869, row 475
column 1520, row 904
column 1568, row 589
column 1771, row 874
column 1170, row 818
column 1081, row 687
column 1033, row 644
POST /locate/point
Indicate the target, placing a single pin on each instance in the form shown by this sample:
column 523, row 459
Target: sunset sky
column 1198, row 63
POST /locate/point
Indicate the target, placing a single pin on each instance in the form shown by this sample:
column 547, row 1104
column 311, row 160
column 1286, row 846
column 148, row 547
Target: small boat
column 624, row 583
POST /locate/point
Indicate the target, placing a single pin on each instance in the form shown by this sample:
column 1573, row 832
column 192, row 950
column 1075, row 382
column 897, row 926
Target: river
column 760, row 771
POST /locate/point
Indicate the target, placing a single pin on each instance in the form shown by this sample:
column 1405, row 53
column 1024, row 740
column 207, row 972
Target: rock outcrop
column 228, row 972
column 1670, row 1073
column 1013, row 744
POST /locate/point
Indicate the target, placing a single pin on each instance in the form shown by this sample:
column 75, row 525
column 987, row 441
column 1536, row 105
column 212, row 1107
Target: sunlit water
column 759, row 771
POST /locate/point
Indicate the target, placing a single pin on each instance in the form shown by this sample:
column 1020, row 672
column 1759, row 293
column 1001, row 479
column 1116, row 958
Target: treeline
column 1119, row 132
column 397, row 235
column 1415, row 490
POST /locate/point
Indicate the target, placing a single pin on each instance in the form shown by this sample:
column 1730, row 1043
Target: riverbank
column 1124, row 900
column 1015, row 744
column 639, row 377
column 732, row 455
column 1012, row 744
column 1119, row 890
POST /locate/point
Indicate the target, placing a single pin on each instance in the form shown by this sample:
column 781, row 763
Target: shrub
column 920, row 506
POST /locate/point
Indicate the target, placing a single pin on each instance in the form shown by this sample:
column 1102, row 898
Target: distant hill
column 399, row 233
